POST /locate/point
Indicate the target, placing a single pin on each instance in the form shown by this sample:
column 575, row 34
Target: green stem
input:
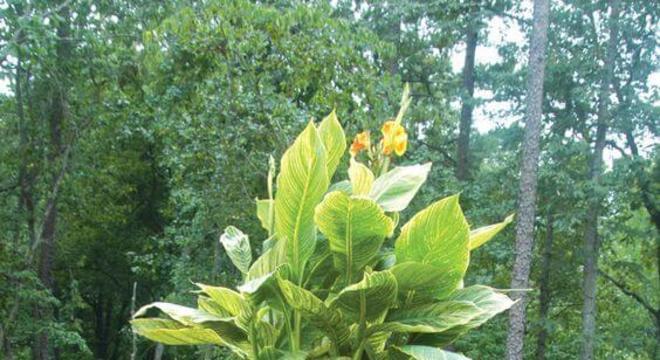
column 287, row 324
column 362, row 327
column 253, row 341
column 386, row 165
column 297, row 320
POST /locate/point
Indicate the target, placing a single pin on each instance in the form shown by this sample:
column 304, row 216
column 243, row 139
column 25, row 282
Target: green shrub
column 326, row 286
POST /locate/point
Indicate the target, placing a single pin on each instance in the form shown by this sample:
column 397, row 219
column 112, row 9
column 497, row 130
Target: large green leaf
column 301, row 184
column 372, row 296
column 489, row 301
column 437, row 236
column 395, row 189
column 328, row 320
column 355, row 228
column 433, row 318
column 334, row 141
column 361, row 178
column 237, row 246
column 482, row 235
column 419, row 352
column 170, row 332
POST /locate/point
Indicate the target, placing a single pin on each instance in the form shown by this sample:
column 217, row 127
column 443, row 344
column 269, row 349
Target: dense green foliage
column 343, row 293
column 148, row 127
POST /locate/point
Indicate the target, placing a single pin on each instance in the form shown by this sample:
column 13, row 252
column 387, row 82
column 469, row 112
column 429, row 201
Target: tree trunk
column 528, row 178
column 591, row 241
column 56, row 118
column 544, row 296
column 465, row 125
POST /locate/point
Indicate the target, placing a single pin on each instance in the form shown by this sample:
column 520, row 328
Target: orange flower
column 395, row 138
column 362, row 141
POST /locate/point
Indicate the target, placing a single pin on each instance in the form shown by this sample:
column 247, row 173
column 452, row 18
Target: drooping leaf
column 313, row 308
column 230, row 302
column 395, row 189
column 170, row 332
column 482, row 235
column 181, row 314
column 375, row 294
column 488, row 300
column 188, row 324
column 334, row 141
column 355, row 228
column 490, row 303
column 301, row 184
column 437, row 236
column 362, row 179
column 237, row 246
column 419, row 352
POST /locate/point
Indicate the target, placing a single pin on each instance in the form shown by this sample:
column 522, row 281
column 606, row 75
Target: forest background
column 133, row 132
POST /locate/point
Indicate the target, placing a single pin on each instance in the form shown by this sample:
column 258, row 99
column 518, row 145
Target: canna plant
column 328, row 285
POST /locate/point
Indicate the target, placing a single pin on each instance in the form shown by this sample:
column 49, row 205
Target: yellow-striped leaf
column 437, row 236
column 355, row 228
column 371, row 297
column 302, row 181
column 334, row 141
column 362, row 179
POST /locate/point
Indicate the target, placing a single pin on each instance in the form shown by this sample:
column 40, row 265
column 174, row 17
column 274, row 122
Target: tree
column 544, row 296
column 591, row 240
column 467, row 106
column 528, row 177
